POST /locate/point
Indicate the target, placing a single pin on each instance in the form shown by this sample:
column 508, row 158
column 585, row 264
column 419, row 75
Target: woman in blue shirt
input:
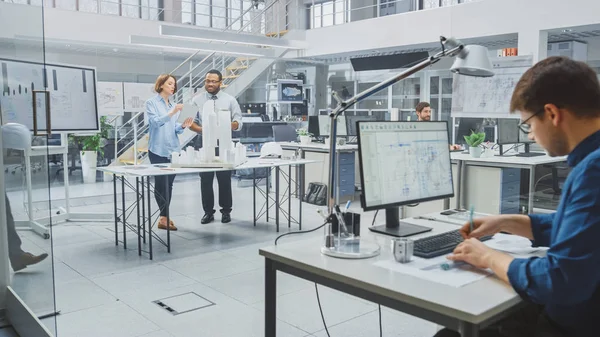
column 164, row 131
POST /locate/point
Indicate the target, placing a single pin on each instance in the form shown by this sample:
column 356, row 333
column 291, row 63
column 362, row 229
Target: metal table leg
column 268, row 183
column 276, row 197
column 531, row 189
column 254, row 195
column 468, row 329
column 144, row 209
column 459, row 185
column 116, row 212
column 137, row 206
column 124, row 219
column 270, row 298
column 289, row 196
column 149, row 218
column 168, row 197
column 301, row 196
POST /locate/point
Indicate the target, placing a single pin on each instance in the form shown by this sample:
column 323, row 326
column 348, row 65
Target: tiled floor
column 104, row 290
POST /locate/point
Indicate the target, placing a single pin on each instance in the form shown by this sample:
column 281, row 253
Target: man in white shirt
column 222, row 101
column 423, row 111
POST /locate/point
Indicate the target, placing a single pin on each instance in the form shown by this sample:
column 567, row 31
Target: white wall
column 471, row 20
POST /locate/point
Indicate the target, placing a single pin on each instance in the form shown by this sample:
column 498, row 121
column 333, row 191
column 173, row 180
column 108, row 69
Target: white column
column 535, row 43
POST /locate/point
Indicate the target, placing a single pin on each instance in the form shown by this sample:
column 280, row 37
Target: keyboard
column 440, row 244
column 530, row 154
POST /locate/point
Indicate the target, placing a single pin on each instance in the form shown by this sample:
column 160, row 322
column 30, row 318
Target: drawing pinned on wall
column 110, row 98
column 136, row 95
column 490, row 95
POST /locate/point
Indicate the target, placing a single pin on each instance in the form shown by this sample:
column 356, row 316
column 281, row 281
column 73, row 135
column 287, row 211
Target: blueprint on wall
column 110, row 98
column 488, row 95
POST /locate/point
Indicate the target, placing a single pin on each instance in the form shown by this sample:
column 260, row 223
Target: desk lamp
column 471, row 60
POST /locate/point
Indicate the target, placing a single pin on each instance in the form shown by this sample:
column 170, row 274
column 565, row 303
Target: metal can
column 402, row 248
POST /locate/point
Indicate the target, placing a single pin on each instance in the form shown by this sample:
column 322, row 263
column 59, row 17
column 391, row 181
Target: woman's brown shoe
column 162, row 224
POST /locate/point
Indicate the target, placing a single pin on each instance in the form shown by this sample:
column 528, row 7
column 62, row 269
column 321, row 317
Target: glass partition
column 26, row 101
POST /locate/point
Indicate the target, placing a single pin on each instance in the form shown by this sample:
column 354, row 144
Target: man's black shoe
column 226, row 218
column 208, row 217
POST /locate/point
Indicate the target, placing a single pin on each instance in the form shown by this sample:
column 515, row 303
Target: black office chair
column 284, row 133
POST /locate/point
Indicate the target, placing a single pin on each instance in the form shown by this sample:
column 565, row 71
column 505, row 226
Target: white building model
column 216, row 131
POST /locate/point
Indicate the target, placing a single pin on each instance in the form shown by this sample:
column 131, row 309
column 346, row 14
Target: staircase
column 238, row 74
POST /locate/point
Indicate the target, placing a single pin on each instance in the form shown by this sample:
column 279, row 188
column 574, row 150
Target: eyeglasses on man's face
column 526, row 127
column 212, row 82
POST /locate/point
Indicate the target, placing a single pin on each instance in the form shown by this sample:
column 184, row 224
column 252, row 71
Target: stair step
column 236, row 67
column 230, row 77
column 281, row 33
column 142, row 149
column 127, row 161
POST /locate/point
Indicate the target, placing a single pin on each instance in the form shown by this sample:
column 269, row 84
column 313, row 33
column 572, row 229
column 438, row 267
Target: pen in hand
column 471, row 219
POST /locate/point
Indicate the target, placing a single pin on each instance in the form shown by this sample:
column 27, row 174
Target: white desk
column 463, row 160
column 142, row 189
column 466, row 309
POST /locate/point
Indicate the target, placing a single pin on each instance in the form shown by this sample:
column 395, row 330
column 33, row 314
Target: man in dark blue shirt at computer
column 559, row 103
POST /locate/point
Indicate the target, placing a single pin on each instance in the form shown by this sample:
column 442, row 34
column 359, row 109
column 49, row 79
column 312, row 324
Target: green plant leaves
column 475, row 139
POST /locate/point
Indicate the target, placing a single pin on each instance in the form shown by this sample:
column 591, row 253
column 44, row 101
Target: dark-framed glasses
column 524, row 126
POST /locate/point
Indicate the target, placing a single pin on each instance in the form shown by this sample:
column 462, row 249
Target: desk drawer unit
column 346, row 172
column 510, row 191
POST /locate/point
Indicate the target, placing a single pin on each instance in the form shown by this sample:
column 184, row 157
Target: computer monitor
column 508, row 131
column 351, row 123
column 466, row 126
column 313, row 126
column 324, row 126
column 403, row 163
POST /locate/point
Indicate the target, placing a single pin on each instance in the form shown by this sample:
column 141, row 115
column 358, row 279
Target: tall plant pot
column 88, row 166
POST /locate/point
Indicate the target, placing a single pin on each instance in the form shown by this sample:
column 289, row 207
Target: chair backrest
column 284, row 133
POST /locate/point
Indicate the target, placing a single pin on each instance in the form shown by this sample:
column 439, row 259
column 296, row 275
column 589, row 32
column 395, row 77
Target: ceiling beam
column 195, row 46
column 230, row 37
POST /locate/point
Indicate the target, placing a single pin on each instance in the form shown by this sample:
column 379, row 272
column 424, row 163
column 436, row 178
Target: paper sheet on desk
column 431, row 270
column 512, row 244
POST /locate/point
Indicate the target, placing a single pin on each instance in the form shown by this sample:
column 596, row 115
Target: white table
column 506, row 161
column 143, row 191
column 466, row 309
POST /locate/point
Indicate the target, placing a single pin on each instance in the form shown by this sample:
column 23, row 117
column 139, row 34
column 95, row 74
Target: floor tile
column 63, row 235
column 301, row 309
column 218, row 267
column 393, row 323
column 248, row 287
column 80, row 294
column 115, row 320
column 144, row 279
column 160, row 333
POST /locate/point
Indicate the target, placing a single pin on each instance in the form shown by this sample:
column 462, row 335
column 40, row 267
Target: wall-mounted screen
column 72, row 90
column 290, row 91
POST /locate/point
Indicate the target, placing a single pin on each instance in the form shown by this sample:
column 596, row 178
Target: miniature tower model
column 216, row 130
column 209, row 130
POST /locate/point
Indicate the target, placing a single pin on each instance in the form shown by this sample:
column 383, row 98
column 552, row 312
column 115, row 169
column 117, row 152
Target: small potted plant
column 474, row 141
column 90, row 146
column 305, row 136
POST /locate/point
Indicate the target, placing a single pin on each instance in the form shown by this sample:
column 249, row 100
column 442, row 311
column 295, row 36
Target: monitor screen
column 351, row 123
column 466, row 126
column 324, row 126
column 523, row 139
column 403, row 163
column 313, row 126
column 508, row 131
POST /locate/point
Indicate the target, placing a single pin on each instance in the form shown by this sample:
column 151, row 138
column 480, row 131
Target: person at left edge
column 164, row 130
column 222, row 102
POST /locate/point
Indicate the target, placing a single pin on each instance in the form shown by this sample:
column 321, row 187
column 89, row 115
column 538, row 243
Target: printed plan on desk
column 459, row 275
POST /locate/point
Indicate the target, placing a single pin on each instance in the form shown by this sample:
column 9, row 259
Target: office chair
column 284, row 133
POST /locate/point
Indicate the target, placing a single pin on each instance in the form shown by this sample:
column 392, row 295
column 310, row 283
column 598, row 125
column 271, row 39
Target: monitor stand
column 394, row 227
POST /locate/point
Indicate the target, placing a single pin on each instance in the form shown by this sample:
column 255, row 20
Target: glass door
column 27, row 273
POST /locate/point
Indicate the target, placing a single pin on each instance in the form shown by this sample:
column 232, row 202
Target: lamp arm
column 456, row 48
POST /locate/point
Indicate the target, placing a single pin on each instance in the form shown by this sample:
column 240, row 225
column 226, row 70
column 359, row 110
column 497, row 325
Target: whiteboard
column 72, row 93
column 110, row 98
column 136, row 95
column 485, row 95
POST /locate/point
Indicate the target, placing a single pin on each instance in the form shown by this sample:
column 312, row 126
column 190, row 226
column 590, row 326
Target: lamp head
column 473, row 60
